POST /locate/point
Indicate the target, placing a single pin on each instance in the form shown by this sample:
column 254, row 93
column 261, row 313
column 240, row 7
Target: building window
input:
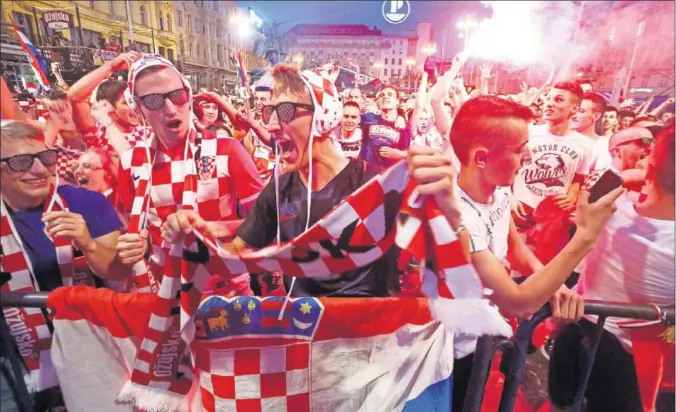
column 163, row 52
column 199, row 51
column 400, row 62
column 189, row 23
column 144, row 18
column 111, row 8
column 170, row 55
column 386, row 61
column 385, row 72
column 179, row 17
column 204, row 29
column 169, row 28
column 161, row 22
column 181, row 47
column 92, row 4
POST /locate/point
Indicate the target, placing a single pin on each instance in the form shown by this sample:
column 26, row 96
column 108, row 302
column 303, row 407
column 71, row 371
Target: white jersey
column 632, row 262
column 351, row 145
column 555, row 162
column 601, row 158
column 488, row 224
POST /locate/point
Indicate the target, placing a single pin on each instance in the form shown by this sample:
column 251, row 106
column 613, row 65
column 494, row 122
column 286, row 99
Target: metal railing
column 515, row 351
column 512, row 365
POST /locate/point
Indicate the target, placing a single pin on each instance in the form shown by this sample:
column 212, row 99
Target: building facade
column 208, row 40
column 91, row 24
column 316, row 44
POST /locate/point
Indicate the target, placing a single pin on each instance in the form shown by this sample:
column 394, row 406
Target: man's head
column 27, row 166
column 592, row 107
column 387, row 98
column 206, row 112
column 354, row 95
column 424, row 121
column 96, row 170
column 351, row 116
column 661, row 162
column 585, row 85
column 292, row 134
column 625, row 117
column 113, row 92
column 609, row 119
column 628, row 146
column 490, row 135
column 666, row 116
column 241, row 108
column 261, row 98
column 562, row 102
column 164, row 99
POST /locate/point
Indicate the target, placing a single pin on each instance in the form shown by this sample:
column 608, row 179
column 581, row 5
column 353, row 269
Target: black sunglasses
column 286, row 111
column 23, row 162
column 155, row 101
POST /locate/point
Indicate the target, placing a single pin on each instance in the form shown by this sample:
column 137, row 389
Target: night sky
column 442, row 14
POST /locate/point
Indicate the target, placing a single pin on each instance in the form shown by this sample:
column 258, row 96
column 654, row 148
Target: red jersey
column 226, row 177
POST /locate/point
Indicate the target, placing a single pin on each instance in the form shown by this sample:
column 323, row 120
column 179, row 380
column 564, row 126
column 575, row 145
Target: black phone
column 609, row 181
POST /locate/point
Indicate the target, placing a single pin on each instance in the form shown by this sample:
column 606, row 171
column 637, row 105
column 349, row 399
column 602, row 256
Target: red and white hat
column 326, row 99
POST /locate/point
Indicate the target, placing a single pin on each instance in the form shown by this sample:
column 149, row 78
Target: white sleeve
column 584, row 166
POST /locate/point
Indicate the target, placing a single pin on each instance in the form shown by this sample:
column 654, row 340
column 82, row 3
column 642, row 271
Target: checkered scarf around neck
column 162, row 365
column 30, row 328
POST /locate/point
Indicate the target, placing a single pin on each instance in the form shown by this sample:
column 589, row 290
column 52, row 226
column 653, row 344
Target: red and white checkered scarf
column 28, row 326
column 356, row 233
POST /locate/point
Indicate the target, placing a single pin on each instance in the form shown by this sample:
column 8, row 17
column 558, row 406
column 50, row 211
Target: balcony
column 75, row 62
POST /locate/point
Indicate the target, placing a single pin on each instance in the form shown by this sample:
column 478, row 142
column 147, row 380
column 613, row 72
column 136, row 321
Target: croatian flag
column 336, row 354
column 37, row 62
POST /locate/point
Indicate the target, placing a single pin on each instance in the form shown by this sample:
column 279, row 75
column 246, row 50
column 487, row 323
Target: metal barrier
column 513, row 361
column 515, row 351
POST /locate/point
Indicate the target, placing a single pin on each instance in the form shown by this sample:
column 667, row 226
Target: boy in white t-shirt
column 489, row 137
column 561, row 157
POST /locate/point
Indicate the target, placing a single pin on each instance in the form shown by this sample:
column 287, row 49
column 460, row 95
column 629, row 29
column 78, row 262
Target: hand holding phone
column 609, row 181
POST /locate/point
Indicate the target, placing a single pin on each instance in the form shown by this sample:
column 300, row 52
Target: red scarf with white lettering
column 28, row 326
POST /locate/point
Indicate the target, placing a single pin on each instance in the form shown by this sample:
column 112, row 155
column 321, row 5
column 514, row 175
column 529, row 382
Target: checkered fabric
column 255, row 379
column 97, row 137
column 200, row 180
column 66, row 161
column 326, row 99
column 356, row 233
column 593, row 177
column 29, row 326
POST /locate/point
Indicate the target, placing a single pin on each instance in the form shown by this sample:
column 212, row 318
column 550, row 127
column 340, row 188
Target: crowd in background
column 521, row 199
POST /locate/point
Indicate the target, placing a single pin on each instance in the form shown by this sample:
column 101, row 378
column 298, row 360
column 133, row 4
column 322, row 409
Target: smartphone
column 609, row 181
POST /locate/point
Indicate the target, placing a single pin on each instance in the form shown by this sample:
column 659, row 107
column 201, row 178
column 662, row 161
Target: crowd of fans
column 520, row 166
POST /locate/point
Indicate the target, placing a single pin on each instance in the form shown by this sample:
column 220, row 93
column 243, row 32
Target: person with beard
column 561, row 157
column 385, row 139
column 348, row 134
column 228, row 182
column 625, row 117
column 592, row 107
column 609, row 121
column 318, row 178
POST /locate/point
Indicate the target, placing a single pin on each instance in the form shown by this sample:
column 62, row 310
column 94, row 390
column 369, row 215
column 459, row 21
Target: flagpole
column 129, row 22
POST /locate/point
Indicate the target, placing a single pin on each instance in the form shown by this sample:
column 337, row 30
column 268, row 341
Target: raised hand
column 125, row 60
column 486, row 71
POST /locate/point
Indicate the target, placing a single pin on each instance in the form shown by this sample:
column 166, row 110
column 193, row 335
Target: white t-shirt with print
column 632, row 262
column 350, row 146
column 488, row 224
column 555, row 162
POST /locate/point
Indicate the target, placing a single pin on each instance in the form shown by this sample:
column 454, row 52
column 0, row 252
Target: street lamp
column 467, row 23
column 298, row 59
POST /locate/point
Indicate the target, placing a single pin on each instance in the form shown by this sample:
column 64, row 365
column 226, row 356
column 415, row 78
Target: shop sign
column 56, row 19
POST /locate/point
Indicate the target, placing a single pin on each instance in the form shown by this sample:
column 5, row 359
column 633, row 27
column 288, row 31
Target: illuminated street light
column 377, row 66
column 580, row 74
column 298, row 59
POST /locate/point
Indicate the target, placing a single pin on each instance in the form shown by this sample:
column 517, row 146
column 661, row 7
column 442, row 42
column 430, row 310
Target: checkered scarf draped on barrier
column 28, row 326
column 356, row 233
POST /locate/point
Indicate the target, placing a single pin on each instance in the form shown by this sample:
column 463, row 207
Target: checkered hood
column 326, row 99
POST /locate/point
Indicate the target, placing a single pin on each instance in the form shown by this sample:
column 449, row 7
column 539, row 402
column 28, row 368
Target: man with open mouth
column 302, row 126
column 211, row 175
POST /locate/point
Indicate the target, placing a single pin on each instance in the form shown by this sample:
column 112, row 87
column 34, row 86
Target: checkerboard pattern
column 274, row 379
column 65, row 164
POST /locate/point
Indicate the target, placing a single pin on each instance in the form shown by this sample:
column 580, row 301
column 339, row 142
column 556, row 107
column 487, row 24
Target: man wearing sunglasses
column 227, row 185
column 302, row 128
column 50, row 238
column 630, row 149
column 384, row 142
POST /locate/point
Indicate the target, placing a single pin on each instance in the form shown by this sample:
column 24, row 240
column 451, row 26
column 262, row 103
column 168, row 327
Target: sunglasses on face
column 23, row 162
column 155, row 101
column 286, row 111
